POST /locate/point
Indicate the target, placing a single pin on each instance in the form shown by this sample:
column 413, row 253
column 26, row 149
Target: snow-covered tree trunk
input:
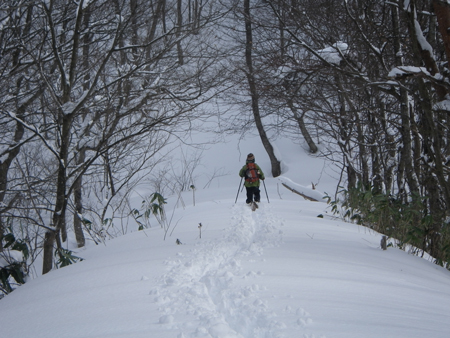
column 302, row 126
column 275, row 163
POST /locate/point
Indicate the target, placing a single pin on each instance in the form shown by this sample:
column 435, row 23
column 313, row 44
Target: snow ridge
column 210, row 286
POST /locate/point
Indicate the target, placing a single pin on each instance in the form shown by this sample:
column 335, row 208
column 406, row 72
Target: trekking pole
column 238, row 190
column 266, row 191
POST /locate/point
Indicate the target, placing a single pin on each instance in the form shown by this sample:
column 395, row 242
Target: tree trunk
column 78, row 200
column 59, row 214
column 156, row 17
column 301, row 124
column 406, row 165
column 442, row 11
column 49, row 241
column 275, row 164
column 179, row 29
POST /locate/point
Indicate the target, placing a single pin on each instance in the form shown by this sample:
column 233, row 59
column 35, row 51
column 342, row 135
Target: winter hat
column 250, row 157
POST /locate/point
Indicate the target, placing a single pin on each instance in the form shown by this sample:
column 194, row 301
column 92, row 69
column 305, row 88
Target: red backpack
column 251, row 174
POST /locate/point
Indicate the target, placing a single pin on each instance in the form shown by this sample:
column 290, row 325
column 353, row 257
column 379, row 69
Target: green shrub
column 405, row 219
column 13, row 268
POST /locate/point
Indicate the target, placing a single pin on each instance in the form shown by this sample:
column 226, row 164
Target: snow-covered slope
column 280, row 271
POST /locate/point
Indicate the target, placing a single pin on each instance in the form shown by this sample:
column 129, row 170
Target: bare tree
column 19, row 94
column 251, row 78
column 376, row 81
column 106, row 85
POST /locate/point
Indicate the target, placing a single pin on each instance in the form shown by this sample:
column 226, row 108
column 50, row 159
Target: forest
column 93, row 92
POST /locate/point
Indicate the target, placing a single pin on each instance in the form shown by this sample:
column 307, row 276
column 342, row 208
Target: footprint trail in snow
column 199, row 296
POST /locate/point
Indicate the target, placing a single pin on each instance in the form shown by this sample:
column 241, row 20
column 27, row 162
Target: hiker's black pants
column 253, row 194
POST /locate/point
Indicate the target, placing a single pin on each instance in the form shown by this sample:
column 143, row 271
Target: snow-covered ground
column 280, row 271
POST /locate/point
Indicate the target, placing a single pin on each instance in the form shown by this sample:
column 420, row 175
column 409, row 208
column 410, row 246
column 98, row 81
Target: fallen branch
column 306, row 197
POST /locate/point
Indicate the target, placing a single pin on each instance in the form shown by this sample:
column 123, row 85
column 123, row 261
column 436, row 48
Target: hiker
column 252, row 173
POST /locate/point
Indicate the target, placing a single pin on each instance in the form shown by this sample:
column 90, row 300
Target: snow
column 421, row 38
column 86, row 4
column 289, row 269
column 443, row 105
column 333, row 54
column 10, row 256
column 405, row 70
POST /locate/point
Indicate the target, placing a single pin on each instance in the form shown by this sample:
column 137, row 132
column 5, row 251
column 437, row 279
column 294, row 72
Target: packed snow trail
column 204, row 285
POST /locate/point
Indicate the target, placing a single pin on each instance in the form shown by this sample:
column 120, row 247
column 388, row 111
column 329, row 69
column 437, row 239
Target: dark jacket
column 251, row 184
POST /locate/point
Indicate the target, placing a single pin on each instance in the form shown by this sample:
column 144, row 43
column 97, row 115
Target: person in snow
column 252, row 173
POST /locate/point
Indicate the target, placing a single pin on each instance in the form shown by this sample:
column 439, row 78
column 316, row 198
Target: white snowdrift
column 278, row 272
